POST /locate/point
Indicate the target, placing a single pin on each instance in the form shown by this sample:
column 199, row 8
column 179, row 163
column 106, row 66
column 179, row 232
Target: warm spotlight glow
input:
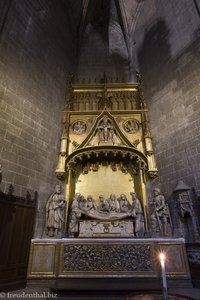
column 162, row 256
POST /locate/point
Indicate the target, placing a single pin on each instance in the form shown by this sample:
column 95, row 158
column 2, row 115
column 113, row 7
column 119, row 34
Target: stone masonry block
column 20, row 179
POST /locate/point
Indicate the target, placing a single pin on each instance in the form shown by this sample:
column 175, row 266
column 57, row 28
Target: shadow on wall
column 155, row 58
column 102, row 47
column 156, row 64
column 98, row 17
column 176, row 136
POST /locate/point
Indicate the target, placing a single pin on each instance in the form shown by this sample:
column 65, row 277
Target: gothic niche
column 106, row 158
column 109, row 210
column 187, row 224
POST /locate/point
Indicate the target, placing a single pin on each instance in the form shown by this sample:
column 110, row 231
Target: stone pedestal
column 107, row 258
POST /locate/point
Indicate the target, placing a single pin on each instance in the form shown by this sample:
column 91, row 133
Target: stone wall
column 102, row 47
column 168, row 49
column 37, row 53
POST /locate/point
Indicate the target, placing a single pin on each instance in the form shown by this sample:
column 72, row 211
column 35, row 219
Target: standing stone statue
column 55, row 211
column 160, row 219
column 75, row 214
column 137, row 213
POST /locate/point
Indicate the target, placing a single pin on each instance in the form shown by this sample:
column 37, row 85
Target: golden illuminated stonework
column 106, row 148
column 110, row 227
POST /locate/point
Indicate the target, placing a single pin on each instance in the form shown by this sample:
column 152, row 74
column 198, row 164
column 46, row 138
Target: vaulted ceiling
column 117, row 17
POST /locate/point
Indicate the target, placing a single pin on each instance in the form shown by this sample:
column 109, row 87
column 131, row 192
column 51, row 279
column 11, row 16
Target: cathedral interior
column 100, row 149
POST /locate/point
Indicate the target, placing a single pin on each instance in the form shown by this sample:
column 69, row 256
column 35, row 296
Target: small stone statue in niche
column 160, row 219
column 106, row 127
column 105, row 131
column 137, row 213
column 55, row 211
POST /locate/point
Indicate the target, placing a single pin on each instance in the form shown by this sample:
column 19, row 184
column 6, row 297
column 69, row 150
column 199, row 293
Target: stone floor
column 34, row 292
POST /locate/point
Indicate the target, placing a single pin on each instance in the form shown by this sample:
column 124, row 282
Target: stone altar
column 106, row 159
column 104, row 258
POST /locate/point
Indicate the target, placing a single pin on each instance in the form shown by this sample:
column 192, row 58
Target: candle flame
column 162, row 256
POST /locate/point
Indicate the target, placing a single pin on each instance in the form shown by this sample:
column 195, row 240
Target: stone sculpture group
column 110, row 209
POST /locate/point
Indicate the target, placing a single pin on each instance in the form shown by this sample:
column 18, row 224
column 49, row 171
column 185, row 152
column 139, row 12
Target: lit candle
column 164, row 280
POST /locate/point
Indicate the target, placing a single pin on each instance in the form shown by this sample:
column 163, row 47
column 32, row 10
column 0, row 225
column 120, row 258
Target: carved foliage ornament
column 106, row 258
column 131, row 126
column 124, row 167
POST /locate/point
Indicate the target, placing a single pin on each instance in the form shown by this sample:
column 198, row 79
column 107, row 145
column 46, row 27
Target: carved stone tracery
column 131, row 126
column 110, row 154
